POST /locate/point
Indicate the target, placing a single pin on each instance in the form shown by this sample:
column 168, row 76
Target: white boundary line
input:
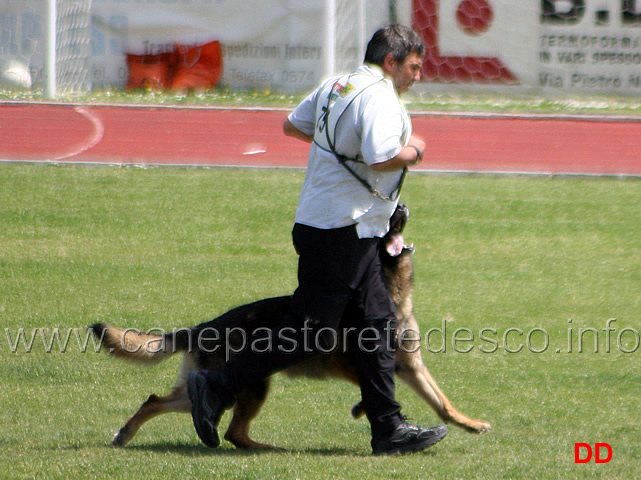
column 532, row 116
column 94, row 139
column 478, row 115
column 204, row 166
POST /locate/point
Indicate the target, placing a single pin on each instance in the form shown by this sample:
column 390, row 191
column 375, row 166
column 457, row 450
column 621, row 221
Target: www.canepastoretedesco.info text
column 443, row 339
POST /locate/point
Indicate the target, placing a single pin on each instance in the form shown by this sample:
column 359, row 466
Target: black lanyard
column 343, row 159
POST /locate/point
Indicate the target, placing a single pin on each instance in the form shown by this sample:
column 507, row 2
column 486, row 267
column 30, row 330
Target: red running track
column 212, row 136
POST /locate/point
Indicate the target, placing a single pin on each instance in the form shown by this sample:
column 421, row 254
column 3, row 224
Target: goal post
column 343, row 35
column 348, row 24
column 49, row 75
column 46, row 45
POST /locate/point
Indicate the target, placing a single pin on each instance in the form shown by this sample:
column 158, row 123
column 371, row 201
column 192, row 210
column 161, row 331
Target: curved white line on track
column 94, row 138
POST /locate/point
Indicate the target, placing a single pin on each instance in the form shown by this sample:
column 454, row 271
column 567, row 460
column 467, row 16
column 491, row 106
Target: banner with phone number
column 265, row 44
column 548, row 46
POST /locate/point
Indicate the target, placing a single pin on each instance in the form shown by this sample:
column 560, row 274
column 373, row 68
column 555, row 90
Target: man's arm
column 291, row 131
column 407, row 157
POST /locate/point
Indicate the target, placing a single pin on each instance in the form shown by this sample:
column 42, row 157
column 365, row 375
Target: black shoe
column 409, row 438
column 206, row 408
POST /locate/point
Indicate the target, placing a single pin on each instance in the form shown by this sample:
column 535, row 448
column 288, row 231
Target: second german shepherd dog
column 203, row 351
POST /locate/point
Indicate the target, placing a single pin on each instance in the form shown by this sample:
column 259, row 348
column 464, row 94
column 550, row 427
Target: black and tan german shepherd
column 205, row 347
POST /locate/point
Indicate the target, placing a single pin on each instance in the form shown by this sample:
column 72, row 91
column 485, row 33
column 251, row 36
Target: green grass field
column 510, row 272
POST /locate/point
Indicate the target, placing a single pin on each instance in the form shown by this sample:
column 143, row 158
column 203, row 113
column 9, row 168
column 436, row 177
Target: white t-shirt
column 373, row 127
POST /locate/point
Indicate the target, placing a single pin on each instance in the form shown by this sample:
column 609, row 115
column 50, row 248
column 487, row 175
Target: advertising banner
column 547, row 46
column 573, row 46
column 590, row 45
column 275, row 44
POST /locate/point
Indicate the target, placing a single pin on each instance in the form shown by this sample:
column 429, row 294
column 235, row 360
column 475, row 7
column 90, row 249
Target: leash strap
column 343, row 159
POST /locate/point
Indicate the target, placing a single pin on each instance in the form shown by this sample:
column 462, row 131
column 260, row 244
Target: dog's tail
column 134, row 345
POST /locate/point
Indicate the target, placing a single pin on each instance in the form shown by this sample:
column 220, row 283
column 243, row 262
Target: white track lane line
column 94, row 138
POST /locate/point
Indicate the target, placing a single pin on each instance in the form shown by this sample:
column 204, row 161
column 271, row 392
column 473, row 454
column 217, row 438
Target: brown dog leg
column 176, row 401
column 413, row 371
column 248, row 403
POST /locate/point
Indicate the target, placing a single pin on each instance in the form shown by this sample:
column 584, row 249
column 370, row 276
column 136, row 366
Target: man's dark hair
column 398, row 40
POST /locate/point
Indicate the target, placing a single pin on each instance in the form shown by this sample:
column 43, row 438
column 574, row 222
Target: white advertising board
column 551, row 46
column 265, row 44
column 597, row 49
column 566, row 46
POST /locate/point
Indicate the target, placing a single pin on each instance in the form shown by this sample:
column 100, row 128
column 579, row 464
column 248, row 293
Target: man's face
column 405, row 73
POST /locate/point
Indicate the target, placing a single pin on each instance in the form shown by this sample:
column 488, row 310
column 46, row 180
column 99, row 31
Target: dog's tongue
column 395, row 245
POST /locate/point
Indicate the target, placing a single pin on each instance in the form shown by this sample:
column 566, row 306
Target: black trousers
column 340, row 285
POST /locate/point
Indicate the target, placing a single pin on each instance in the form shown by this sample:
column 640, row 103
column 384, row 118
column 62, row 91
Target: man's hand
column 409, row 156
column 419, row 143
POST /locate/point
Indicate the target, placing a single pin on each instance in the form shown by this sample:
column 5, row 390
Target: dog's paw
column 120, row 439
column 478, row 427
column 357, row 410
column 486, row 428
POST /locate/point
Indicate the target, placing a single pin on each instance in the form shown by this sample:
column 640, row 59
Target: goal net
column 461, row 59
column 28, row 55
column 73, row 45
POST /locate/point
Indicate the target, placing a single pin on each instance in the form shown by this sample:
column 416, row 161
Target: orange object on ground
column 188, row 67
column 197, row 68
column 150, row 71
